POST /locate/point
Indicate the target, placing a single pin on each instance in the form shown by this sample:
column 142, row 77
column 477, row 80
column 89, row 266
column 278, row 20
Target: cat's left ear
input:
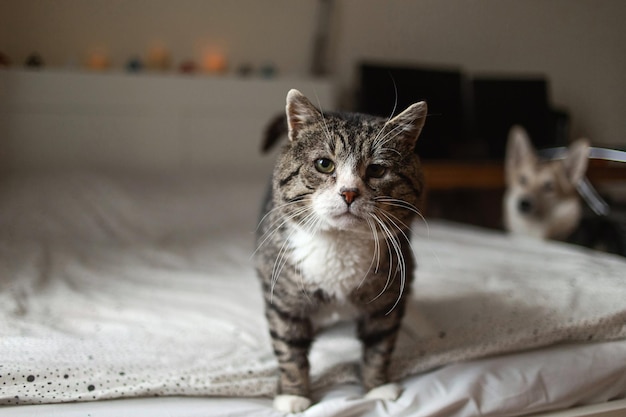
column 576, row 160
column 410, row 122
column 300, row 112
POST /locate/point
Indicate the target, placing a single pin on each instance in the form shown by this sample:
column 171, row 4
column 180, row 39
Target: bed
column 133, row 292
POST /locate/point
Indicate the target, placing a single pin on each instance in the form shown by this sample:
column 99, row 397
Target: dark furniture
column 469, row 116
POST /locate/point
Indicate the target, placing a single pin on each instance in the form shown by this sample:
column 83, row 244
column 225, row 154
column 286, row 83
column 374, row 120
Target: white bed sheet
column 121, row 288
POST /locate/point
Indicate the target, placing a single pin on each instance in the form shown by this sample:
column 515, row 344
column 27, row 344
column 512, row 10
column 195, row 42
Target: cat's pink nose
column 349, row 194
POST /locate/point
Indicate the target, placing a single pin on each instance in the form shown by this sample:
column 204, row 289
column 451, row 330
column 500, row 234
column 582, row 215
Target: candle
column 98, row 61
column 214, row 62
column 158, row 58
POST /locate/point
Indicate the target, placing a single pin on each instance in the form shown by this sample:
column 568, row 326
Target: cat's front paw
column 389, row 391
column 291, row 403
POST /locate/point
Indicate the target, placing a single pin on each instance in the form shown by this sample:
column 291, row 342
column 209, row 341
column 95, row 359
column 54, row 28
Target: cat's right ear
column 408, row 124
column 519, row 149
column 576, row 160
column 300, row 112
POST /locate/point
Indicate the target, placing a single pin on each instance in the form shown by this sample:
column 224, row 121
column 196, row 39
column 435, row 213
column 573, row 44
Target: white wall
column 275, row 31
column 578, row 44
column 59, row 120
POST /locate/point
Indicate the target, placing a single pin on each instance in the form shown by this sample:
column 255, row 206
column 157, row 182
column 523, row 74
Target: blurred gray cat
column 334, row 237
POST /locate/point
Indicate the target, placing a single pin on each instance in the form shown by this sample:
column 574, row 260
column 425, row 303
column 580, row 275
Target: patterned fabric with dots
column 112, row 289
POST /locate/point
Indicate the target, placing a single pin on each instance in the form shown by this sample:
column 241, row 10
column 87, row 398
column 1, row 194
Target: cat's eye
column 523, row 180
column 325, row 165
column 548, row 186
column 376, row 171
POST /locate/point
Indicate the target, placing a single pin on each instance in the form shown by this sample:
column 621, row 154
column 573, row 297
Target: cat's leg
column 378, row 332
column 291, row 339
column 390, row 391
column 291, row 403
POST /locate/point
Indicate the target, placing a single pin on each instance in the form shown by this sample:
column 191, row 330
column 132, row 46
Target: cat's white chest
column 336, row 262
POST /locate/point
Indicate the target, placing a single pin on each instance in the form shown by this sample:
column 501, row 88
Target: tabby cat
column 334, row 236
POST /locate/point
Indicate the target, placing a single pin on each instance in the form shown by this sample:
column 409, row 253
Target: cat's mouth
column 346, row 220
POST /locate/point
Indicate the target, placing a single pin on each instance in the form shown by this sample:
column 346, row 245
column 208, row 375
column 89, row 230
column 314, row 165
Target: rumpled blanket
column 112, row 289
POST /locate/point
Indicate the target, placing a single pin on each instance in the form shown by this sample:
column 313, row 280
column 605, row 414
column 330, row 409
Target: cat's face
column 349, row 172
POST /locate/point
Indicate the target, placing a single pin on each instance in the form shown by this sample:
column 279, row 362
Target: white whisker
column 326, row 130
column 272, row 230
column 403, row 204
column 393, row 219
column 275, row 209
column 281, row 259
column 395, row 104
column 311, row 226
column 400, row 267
column 384, row 149
column 395, row 132
column 375, row 255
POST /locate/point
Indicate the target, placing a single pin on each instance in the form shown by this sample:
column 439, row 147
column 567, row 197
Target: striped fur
column 334, row 234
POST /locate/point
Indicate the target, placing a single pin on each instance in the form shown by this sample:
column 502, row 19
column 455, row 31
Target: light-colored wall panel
column 60, row 120
column 577, row 44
